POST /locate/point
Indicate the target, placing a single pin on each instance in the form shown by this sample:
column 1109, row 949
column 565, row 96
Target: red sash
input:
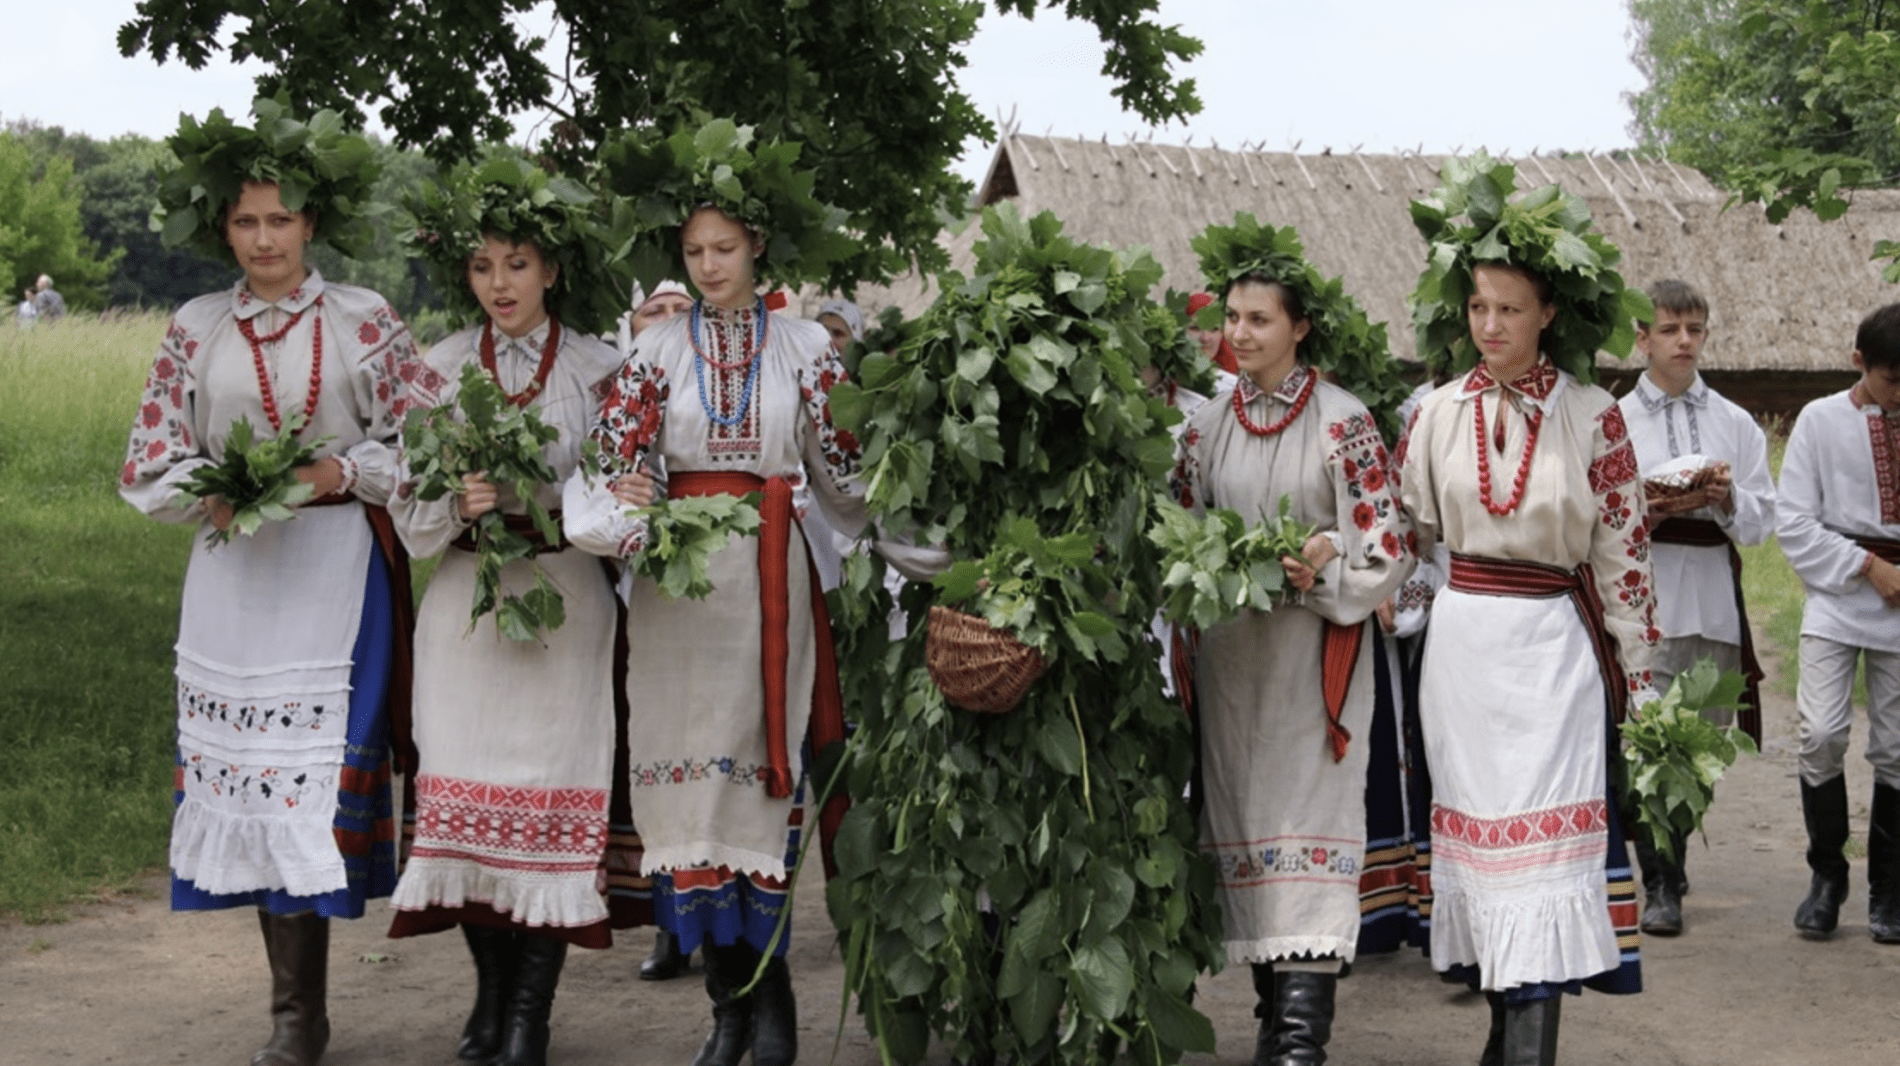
column 1704, row 533
column 827, row 703
column 1508, row 577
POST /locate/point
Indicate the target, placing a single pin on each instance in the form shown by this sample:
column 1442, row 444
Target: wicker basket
column 977, row 667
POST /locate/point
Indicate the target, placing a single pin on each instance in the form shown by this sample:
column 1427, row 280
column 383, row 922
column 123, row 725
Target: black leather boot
column 667, row 960
column 1883, row 866
column 494, row 953
column 524, row 1036
column 1662, row 904
column 1494, row 1042
column 731, row 1036
column 1530, row 1033
column 1302, row 1017
column 1824, row 808
column 1263, row 1010
column 299, row 949
column 774, row 1016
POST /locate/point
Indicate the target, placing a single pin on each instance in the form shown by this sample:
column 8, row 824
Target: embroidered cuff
column 634, row 542
column 352, row 472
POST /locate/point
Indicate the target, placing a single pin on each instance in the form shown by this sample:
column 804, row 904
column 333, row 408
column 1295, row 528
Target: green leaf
column 1102, row 978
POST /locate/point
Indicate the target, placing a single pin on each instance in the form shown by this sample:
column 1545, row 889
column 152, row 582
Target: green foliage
column 682, row 536
column 1673, row 756
column 1343, row 343
column 481, row 432
column 662, row 180
column 257, row 478
column 1548, row 231
column 511, row 197
column 317, row 167
column 1012, row 425
column 40, row 228
column 869, row 86
column 1214, row 567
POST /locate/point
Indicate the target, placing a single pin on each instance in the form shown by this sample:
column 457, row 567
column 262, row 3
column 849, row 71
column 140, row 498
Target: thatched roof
column 1785, row 297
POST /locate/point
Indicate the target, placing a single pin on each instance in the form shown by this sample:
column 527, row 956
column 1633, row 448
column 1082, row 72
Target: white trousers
column 1825, row 699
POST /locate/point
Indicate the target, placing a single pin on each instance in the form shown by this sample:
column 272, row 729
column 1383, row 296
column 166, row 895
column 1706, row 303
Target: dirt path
column 129, row 982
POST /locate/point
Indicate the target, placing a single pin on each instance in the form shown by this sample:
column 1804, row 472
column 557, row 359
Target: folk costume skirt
column 1531, row 882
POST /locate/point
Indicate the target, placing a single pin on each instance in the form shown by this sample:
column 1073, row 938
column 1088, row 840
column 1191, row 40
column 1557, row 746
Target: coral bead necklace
column 1299, row 404
column 552, row 345
column 263, row 372
column 1535, row 421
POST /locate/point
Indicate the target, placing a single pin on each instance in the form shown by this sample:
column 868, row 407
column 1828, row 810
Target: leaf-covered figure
column 1014, row 425
column 1548, row 231
column 258, row 479
column 1213, row 567
column 682, row 536
column 480, row 431
column 1673, row 756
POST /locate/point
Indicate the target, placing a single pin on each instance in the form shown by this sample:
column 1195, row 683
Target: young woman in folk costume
column 515, row 737
column 289, row 640
column 1544, row 633
column 1285, row 697
column 733, row 399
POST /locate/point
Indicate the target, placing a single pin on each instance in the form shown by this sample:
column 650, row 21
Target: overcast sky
column 1504, row 74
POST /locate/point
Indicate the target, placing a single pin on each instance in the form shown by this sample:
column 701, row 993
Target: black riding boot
column 1302, row 1020
column 1883, row 866
column 667, row 960
column 1494, row 1043
column 1824, row 808
column 494, row 952
column 524, row 1038
column 1263, row 1010
column 727, row 971
column 299, row 949
column 1662, row 902
column 1530, row 1033
column 774, row 1015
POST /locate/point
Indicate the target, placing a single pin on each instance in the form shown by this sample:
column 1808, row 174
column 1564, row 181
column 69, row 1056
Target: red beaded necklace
column 1299, row 404
column 553, row 344
column 1536, row 421
column 263, row 372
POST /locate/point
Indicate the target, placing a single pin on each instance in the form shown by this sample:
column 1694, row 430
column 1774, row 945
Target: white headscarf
column 640, row 299
column 848, row 311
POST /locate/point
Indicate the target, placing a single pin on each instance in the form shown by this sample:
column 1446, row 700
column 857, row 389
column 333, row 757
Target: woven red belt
column 1882, row 547
column 827, row 703
column 1705, row 533
column 1509, row 577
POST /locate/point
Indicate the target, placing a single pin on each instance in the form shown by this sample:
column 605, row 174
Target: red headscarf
column 1224, row 357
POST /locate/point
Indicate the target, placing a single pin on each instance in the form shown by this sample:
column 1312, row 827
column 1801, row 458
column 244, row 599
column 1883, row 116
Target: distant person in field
column 1839, row 523
column 47, row 301
column 289, row 646
column 28, row 312
column 1705, row 462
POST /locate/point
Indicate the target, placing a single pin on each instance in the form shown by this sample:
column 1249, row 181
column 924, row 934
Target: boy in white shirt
column 1840, row 527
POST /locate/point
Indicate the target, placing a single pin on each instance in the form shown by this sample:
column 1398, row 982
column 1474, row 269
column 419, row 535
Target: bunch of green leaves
column 1673, row 756
column 510, row 197
column 479, row 431
column 1342, row 343
column 258, row 479
column 1547, row 231
column 317, row 166
column 682, row 536
column 661, row 180
column 1213, row 567
column 1011, row 424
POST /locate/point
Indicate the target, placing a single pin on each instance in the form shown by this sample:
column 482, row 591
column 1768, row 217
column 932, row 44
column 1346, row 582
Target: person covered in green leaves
column 515, row 736
column 1545, row 632
column 1285, row 697
column 288, row 639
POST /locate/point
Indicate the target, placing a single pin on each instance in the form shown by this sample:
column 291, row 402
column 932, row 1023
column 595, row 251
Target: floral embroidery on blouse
column 1187, row 471
column 1613, row 478
column 162, row 437
column 1363, row 463
column 631, row 416
column 839, row 446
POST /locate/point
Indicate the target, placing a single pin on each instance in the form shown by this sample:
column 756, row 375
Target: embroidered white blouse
column 1840, row 478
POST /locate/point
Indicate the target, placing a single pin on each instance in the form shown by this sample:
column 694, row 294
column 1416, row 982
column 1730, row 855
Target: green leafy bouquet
column 1546, row 231
column 258, row 479
column 505, row 441
column 682, row 536
column 1215, row 566
column 317, row 167
column 1673, row 756
column 1012, row 424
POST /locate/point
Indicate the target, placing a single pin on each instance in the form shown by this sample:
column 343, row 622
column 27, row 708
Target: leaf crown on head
column 1546, row 231
column 512, row 198
column 318, row 167
column 661, row 180
column 1342, row 342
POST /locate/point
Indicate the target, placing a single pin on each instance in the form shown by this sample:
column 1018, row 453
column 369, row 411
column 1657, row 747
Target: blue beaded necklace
column 760, row 325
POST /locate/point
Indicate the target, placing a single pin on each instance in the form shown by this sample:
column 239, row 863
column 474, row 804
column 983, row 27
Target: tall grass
column 88, row 613
column 1769, row 585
